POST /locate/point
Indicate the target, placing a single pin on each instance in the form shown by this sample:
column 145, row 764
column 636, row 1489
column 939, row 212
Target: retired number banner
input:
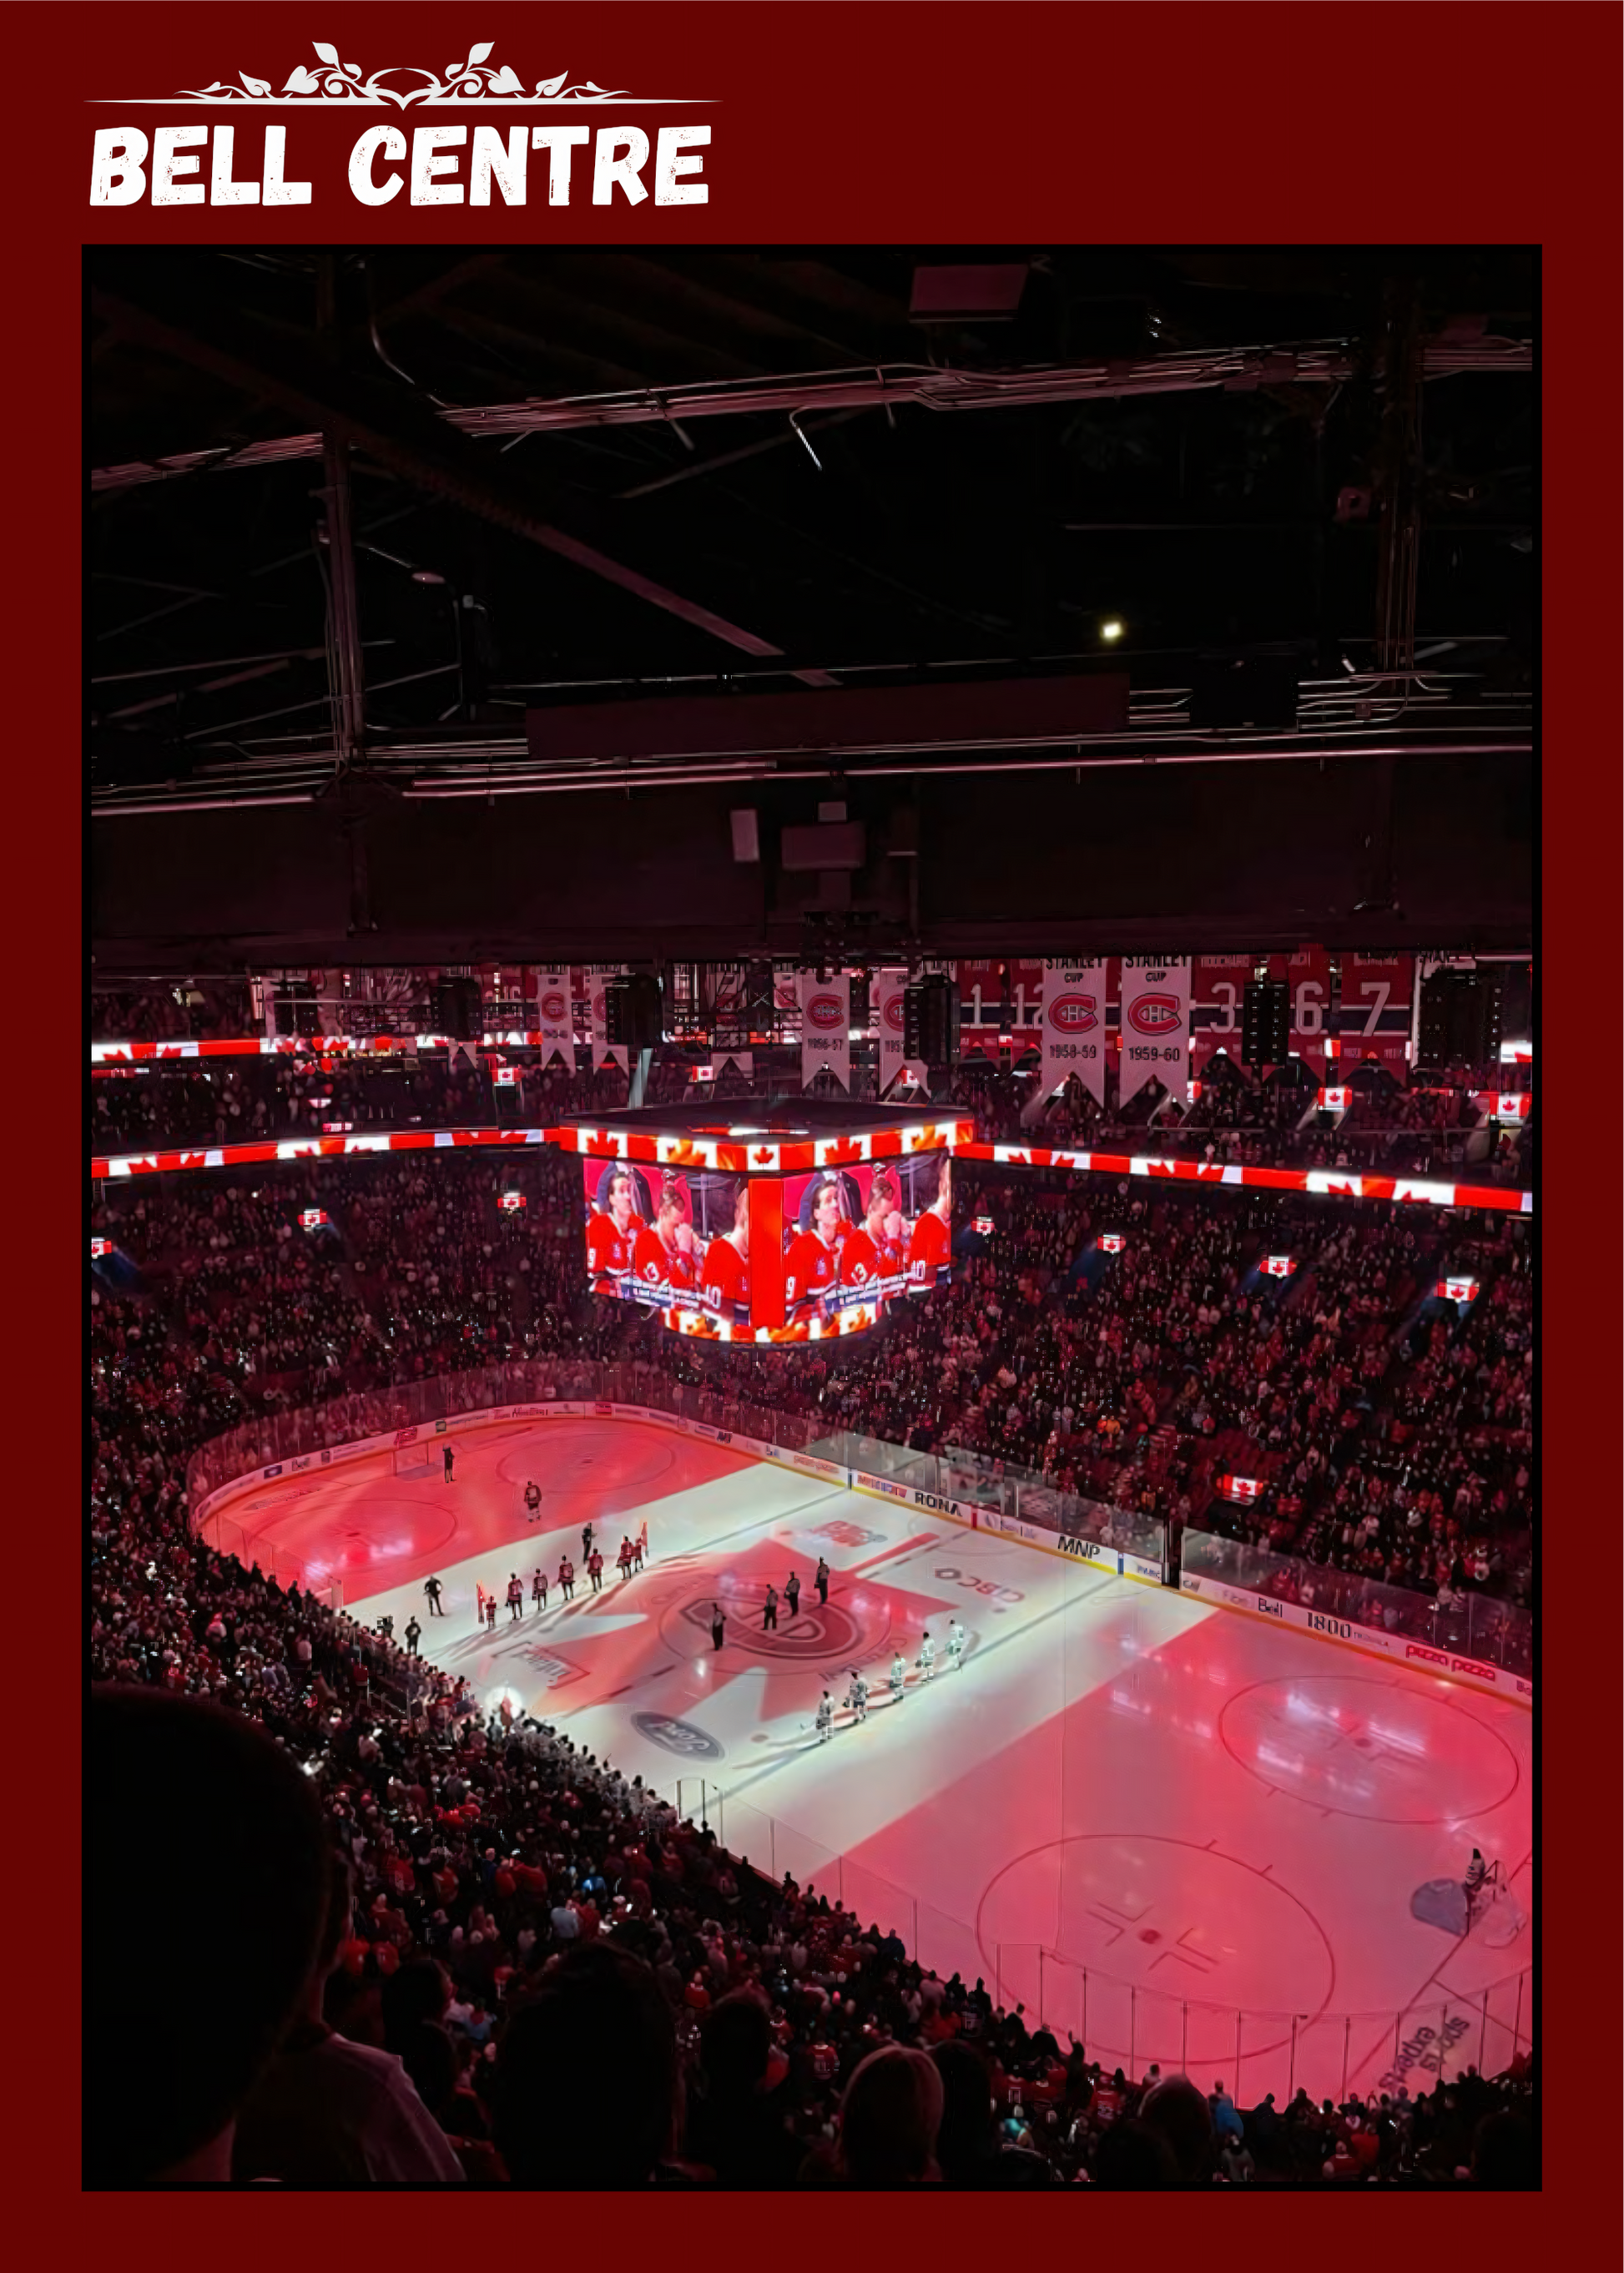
column 1155, row 1025
column 604, row 1052
column 554, row 1021
column 895, row 1065
column 1373, row 1014
column 825, row 1027
column 1073, row 1024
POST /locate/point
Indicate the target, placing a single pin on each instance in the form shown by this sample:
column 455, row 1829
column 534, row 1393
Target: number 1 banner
column 1155, row 1025
column 1072, row 1024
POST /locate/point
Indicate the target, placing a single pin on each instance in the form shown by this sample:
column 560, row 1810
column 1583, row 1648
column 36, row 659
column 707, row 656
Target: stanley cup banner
column 825, row 1027
column 1072, row 1024
column 553, row 1021
column 1155, row 1025
column 895, row 1065
column 604, row 1052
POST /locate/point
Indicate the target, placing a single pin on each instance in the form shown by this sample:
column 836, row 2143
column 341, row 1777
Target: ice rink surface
column 1184, row 1834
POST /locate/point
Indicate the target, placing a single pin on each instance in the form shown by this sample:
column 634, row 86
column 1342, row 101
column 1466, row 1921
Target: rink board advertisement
column 1403, row 1649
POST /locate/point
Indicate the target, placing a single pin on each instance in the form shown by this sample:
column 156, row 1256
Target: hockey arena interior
column 812, row 1207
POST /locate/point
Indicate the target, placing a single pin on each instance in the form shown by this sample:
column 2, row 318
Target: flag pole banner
column 604, row 1052
column 553, row 1020
column 1154, row 1025
column 1071, row 1021
column 825, row 1027
column 895, row 1063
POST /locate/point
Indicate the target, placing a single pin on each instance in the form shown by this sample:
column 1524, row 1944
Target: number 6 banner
column 1073, row 1022
column 1155, row 1025
column 1308, row 974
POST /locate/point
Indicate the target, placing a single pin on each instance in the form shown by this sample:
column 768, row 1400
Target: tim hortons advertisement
column 825, row 1027
column 1072, row 1025
column 1155, row 1025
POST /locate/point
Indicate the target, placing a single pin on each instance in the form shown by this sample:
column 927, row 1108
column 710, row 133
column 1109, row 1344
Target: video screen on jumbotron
column 675, row 1240
column 856, row 1237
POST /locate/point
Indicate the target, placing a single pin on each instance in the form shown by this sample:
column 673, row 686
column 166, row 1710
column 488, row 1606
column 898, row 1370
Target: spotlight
column 1111, row 628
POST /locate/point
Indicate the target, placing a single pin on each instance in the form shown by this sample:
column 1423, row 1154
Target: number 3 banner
column 1155, row 1025
column 1073, row 1024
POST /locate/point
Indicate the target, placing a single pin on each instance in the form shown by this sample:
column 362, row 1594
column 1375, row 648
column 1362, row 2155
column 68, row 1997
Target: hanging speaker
column 1266, row 1021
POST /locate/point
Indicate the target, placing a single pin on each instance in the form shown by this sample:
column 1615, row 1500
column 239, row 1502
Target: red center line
column 923, row 1538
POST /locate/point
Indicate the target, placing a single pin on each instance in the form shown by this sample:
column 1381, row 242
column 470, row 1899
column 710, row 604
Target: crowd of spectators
column 505, row 1926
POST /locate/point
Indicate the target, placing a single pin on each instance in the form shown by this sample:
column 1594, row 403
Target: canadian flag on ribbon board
column 1155, row 1024
column 553, row 1020
column 825, row 1027
column 895, row 1065
column 604, row 1052
column 1071, row 1021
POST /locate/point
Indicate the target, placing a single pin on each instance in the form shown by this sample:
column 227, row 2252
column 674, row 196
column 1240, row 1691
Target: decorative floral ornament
column 335, row 81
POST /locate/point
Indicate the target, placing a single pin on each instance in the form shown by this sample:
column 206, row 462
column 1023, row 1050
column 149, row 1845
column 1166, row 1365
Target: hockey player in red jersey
column 665, row 1261
column 871, row 1255
column 930, row 1249
column 725, row 1277
column 611, row 1233
column 811, row 1269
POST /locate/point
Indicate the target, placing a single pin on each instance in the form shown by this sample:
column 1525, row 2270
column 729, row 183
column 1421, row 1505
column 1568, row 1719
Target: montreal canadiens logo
column 893, row 1013
column 598, row 1006
column 553, row 1007
column 826, row 1011
column 1072, row 1014
column 1153, row 1014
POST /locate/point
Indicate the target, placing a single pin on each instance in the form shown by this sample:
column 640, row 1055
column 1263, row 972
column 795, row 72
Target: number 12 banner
column 1155, row 1025
column 1073, row 1024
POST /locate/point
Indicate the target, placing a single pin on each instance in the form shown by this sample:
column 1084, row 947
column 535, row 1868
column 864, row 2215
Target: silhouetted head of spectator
column 208, row 1845
column 736, row 2045
column 1132, row 2158
column 889, row 2116
column 1504, row 2153
column 1177, row 2111
column 968, row 2137
column 587, row 2088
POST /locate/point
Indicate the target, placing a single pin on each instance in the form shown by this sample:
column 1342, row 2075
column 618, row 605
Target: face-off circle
column 1355, row 1744
column 1172, row 1937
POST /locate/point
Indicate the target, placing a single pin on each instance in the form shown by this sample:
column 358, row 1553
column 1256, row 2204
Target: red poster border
column 970, row 123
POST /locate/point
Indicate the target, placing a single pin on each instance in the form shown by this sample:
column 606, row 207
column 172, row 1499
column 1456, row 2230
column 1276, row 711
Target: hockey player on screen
column 665, row 1261
column 871, row 1257
column 930, row 1249
column 812, row 1267
column 611, row 1233
column 726, row 1275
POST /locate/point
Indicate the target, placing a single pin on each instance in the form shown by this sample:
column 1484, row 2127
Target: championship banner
column 1155, row 1025
column 1374, row 1011
column 1215, row 989
column 895, row 1065
column 553, row 1022
column 1073, row 1026
column 825, row 1027
column 597, row 976
column 742, row 1063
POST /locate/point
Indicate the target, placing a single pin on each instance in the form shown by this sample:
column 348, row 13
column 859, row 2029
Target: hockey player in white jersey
column 955, row 1645
column 899, row 1675
column 857, row 1696
column 927, row 1656
column 825, row 1718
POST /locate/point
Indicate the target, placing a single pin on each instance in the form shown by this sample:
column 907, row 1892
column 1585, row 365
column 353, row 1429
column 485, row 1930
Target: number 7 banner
column 1373, row 1014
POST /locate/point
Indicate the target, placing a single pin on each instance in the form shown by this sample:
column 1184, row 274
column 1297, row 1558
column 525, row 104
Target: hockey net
column 413, row 1459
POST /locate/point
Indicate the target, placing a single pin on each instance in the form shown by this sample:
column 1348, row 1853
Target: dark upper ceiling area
column 577, row 478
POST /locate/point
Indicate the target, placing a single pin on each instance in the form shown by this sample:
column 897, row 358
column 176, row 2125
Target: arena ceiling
column 882, row 501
